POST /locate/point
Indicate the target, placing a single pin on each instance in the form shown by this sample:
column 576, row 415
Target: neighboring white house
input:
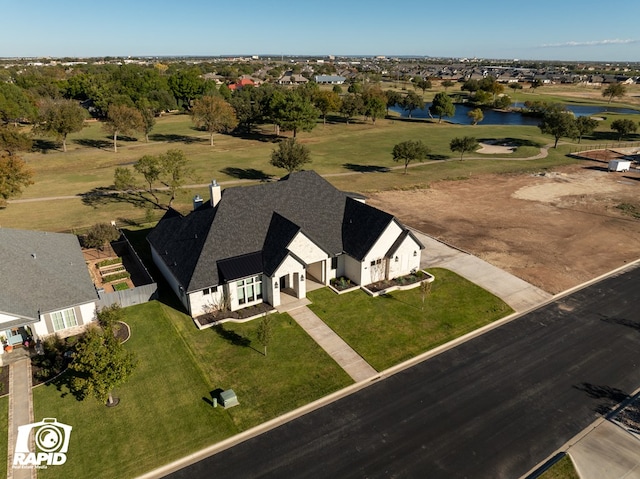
column 330, row 79
column 45, row 287
column 252, row 244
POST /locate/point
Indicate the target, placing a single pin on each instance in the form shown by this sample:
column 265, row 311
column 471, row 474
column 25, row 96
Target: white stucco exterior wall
column 200, row 303
column 306, row 250
column 378, row 251
column 406, row 260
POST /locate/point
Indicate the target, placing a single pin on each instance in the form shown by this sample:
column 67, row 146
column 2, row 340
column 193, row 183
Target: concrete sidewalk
column 607, row 452
column 20, row 412
column 517, row 293
column 327, row 339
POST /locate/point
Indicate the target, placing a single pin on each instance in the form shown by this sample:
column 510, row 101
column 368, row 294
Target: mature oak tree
column 408, row 151
column 615, row 90
column 294, row 112
column 214, row 115
column 290, row 155
column 558, row 123
column 352, row 105
column 13, row 140
column 327, row 101
column 410, row 102
column 122, row 119
column 442, row 106
column 464, row 144
column 585, row 126
column 14, row 177
column 58, row 118
column 100, row 235
column 624, row 126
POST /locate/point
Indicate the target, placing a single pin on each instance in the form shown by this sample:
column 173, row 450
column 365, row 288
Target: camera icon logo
column 51, row 440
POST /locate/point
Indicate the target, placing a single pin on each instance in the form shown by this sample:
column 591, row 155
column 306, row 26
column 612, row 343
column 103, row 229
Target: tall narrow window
column 249, row 289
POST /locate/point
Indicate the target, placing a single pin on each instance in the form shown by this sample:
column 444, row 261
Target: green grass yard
column 4, row 427
column 164, row 413
column 563, row 469
column 392, row 328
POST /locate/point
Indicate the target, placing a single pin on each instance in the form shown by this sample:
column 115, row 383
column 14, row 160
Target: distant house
column 45, row 286
column 255, row 244
column 330, row 79
column 243, row 82
column 290, row 78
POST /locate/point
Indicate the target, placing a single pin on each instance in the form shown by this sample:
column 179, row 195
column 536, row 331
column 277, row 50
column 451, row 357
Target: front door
column 283, row 282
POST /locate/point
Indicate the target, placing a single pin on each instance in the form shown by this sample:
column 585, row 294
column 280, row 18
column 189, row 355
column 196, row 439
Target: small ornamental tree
column 558, row 123
column 476, row 116
column 122, row 120
column 290, row 155
column 214, row 115
column 58, row 118
column 100, row 364
column 585, row 126
column 409, row 151
column 101, row 234
column 265, row 332
column 462, row 145
column 615, row 90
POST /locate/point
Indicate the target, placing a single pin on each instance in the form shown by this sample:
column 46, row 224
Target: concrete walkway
column 607, row 452
column 20, row 412
column 517, row 293
column 327, row 339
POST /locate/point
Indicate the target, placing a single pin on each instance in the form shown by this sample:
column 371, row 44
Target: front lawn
column 4, row 427
column 165, row 411
column 392, row 328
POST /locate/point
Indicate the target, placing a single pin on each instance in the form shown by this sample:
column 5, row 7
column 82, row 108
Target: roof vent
column 33, row 255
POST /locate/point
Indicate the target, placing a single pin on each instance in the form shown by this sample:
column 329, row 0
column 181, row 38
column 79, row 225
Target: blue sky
column 539, row 30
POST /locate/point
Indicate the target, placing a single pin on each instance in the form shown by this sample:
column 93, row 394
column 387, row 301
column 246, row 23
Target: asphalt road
column 493, row 407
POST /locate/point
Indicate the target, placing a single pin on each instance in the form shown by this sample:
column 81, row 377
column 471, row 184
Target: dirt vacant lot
column 553, row 229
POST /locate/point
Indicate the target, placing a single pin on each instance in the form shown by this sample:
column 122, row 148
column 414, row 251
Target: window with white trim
column 249, row 289
column 64, row 319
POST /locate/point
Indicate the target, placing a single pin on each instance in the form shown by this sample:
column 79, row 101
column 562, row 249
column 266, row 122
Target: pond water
column 493, row 117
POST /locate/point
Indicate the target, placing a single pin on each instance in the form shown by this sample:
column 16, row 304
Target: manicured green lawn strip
column 295, row 371
column 563, row 469
column 4, row 439
column 390, row 329
column 164, row 413
column 161, row 417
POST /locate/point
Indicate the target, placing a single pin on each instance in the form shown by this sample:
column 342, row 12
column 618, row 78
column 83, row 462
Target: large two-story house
column 252, row 244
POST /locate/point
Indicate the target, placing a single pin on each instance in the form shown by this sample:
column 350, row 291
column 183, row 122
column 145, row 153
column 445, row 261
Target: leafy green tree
column 423, row 84
column 58, row 118
column 585, row 125
column 15, row 104
column 161, row 101
column 410, row 102
column 352, row 105
column 624, row 127
column 476, row 116
column 408, row 151
column 375, row 108
column 446, row 84
column 464, row 144
column 122, row 119
column 515, row 87
column 558, row 123
column 442, row 106
column 503, row 101
column 12, row 140
column 393, row 98
column 100, row 235
column 100, row 364
column 355, row 87
column 471, row 85
column 15, row 175
column 225, row 91
column 170, row 169
column 535, row 84
column 481, row 97
column 290, row 155
column 292, row 112
column 186, row 85
column 109, row 316
column 214, row 115
column 337, row 89
column 327, row 101
column 264, row 331
column 615, row 90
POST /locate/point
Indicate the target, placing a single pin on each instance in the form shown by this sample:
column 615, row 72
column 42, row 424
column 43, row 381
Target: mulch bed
column 387, row 283
column 244, row 313
column 121, row 331
column 4, row 380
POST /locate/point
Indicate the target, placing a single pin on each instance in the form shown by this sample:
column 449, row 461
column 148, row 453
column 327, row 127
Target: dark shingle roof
column 265, row 218
column 42, row 272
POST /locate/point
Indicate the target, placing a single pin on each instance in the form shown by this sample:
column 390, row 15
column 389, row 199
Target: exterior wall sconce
column 301, row 277
column 275, row 285
column 397, row 259
column 415, row 253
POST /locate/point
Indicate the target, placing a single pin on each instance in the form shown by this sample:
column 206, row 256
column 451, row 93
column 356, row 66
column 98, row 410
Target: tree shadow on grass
column 508, row 141
column 233, row 338
column 366, row 168
column 99, row 144
column 246, row 173
column 173, row 138
column 102, row 195
column 62, row 383
column 44, row 146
